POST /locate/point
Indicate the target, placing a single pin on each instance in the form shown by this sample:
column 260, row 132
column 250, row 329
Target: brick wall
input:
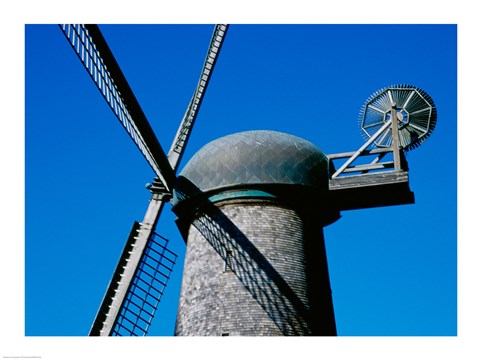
column 255, row 268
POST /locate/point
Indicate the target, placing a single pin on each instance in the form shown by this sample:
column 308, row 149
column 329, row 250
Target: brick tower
column 251, row 207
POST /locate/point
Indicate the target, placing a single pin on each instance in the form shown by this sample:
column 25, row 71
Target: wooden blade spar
column 120, row 313
column 91, row 48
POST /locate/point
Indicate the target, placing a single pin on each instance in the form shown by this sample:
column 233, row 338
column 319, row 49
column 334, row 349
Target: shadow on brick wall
column 263, row 281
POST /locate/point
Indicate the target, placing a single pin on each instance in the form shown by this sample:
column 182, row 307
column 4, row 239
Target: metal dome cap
column 257, row 157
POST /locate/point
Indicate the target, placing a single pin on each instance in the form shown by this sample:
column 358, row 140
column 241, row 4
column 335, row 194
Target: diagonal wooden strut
column 361, row 150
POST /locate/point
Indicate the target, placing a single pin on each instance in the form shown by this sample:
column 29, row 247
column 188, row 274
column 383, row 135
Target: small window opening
column 228, row 261
column 225, row 334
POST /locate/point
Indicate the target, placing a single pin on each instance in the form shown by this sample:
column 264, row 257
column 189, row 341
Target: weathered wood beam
column 370, row 190
column 368, row 167
column 382, row 178
column 364, row 153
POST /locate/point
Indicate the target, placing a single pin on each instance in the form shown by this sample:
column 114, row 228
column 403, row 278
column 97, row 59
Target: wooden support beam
column 365, row 152
column 363, row 180
column 362, row 149
column 370, row 190
column 368, row 167
column 395, row 137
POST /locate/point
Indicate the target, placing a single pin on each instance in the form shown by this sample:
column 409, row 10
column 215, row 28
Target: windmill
column 114, row 313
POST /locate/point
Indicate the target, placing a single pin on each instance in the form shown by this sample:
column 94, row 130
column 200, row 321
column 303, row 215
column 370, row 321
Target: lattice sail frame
column 144, row 267
column 415, row 112
column 146, row 289
column 82, row 43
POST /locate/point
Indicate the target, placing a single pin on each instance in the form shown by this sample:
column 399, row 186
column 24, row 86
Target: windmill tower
column 252, row 207
column 229, row 220
column 255, row 261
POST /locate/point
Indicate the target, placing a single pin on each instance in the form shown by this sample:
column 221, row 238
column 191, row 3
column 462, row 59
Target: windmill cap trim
column 257, row 157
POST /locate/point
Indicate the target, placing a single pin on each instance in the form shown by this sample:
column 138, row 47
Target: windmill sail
column 141, row 299
column 89, row 44
column 139, row 279
column 145, row 265
column 185, row 128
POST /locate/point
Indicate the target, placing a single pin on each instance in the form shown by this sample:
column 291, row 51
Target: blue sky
column 393, row 270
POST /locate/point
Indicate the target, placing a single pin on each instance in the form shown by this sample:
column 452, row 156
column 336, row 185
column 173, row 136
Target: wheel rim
column 415, row 112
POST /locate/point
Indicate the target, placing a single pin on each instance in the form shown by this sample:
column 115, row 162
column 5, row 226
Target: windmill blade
column 179, row 143
column 134, row 293
column 139, row 279
column 89, row 44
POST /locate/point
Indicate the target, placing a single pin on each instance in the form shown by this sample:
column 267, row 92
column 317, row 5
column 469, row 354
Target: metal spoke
column 376, row 109
column 374, row 124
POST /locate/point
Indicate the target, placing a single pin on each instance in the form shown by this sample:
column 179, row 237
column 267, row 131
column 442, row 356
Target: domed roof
column 257, row 157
